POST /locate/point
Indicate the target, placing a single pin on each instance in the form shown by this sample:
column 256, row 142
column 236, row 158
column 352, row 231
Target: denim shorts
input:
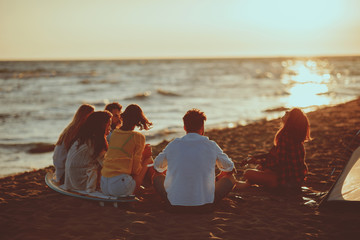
column 118, row 186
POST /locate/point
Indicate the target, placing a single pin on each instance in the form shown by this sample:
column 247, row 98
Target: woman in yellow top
column 125, row 163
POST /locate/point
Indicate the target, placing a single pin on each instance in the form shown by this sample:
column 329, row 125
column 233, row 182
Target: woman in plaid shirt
column 285, row 164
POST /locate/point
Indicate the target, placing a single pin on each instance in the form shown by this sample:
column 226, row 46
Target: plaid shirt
column 287, row 160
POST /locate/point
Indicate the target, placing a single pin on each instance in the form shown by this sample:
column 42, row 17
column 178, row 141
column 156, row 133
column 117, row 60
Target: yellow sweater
column 124, row 154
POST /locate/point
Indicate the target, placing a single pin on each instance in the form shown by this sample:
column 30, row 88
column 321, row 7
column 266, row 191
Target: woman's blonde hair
column 69, row 133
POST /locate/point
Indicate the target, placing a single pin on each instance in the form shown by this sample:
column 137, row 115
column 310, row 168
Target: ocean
column 39, row 98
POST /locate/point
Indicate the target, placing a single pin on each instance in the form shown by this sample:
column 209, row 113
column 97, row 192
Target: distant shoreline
column 181, row 58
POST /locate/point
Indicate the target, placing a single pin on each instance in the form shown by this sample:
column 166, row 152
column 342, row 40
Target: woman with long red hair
column 284, row 165
column 67, row 138
column 87, row 152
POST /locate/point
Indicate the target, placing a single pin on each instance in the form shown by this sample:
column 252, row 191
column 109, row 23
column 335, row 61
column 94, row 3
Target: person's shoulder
column 174, row 142
column 212, row 144
column 138, row 137
column 59, row 147
column 201, row 139
column 75, row 143
column 209, row 141
column 115, row 132
column 77, row 147
column 128, row 133
column 138, row 134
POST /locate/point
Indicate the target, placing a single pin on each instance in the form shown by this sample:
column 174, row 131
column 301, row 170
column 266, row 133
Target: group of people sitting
column 99, row 150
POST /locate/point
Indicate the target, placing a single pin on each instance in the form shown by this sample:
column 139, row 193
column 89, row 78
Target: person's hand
column 148, row 161
column 219, row 176
column 147, row 153
column 249, row 160
column 259, row 167
column 252, row 159
column 223, row 174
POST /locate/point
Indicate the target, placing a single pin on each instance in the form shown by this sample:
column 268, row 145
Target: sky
column 121, row 29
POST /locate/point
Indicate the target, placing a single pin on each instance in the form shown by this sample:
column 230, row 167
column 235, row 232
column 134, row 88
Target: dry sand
column 30, row 210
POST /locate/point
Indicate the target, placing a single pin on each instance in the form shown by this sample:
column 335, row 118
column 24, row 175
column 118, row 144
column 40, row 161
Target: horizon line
column 176, row 58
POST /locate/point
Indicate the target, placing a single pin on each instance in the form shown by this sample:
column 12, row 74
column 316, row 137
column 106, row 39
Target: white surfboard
column 95, row 196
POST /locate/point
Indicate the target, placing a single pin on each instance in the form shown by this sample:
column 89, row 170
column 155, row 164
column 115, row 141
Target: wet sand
column 30, row 210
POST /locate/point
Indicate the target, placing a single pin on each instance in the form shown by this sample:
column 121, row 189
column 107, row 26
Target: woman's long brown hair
column 93, row 131
column 296, row 127
column 69, row 133
column 134, row 116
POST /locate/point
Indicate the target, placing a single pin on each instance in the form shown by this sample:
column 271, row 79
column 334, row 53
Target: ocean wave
column 278, row 109
column 36, row 147
column 98, row 104
column 138, row 96
column 104, row 81
column 326, row 93
column 264, row 75
column 108, row 81
column 167, row 134
column 85, row 81
column 5, row 115
column 42, row 73
column 167, row 93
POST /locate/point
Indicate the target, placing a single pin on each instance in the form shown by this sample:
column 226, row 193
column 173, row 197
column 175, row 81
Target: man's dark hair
column 112, row 106
column 194, row 120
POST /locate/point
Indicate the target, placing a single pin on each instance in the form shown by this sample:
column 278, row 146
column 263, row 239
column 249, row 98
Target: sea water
column 39, row 98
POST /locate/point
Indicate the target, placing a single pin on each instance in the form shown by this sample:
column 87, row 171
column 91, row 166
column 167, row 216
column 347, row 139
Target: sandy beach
column 31, row 210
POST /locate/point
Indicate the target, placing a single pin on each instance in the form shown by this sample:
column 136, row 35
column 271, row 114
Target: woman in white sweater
column 67, row 138
column 86, row 154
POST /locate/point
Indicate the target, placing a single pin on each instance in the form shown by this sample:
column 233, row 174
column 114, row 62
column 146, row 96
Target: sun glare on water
column 308, row 84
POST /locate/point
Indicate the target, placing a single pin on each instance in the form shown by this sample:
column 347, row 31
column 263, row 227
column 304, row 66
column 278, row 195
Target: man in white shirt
column 189, row 163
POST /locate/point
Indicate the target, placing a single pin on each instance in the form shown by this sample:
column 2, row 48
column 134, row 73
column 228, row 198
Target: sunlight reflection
column 308, row 83
column 307, row 94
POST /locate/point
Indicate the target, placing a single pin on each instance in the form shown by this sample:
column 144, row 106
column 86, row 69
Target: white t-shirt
column 81, row 168
column 190, row 163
